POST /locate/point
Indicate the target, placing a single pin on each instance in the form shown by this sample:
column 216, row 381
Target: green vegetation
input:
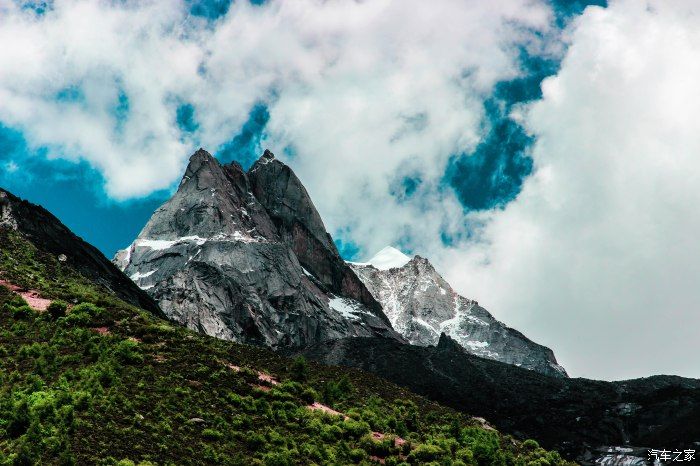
column 96, row 381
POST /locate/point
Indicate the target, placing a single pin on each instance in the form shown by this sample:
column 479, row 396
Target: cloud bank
column 598, row 256
column 367, row 100
column 106, row 81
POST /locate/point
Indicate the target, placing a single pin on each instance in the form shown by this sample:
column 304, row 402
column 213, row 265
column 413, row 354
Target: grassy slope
column 146, row 391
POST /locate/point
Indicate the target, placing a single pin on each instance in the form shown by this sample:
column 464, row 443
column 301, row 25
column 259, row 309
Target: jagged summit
column 245, row 257
column 422, row 306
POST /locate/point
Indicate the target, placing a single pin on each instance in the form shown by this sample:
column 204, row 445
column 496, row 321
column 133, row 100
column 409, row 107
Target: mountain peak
column 425, row 309
column 289, row 205
column 198, row 160
column 200, row 157
column 389, row 258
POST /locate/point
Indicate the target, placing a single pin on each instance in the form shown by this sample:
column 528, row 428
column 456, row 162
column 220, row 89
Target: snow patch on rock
column 387, row 258
column 347, row 308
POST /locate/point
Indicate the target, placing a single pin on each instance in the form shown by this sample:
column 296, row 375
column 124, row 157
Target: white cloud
column 347, row 82
column 86, row 52
column 598, row 257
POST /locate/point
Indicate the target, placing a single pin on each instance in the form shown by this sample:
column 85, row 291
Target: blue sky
column 542, row 154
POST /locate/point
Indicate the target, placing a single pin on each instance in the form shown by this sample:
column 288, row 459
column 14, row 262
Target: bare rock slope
column 421, row 305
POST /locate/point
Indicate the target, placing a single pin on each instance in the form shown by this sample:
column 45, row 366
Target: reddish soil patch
column 263, row 377
column 35, row 302
column 32, row 297
column 101, row 330
column 9, row 285
column 233, row 367
column 398, row 441
column 326, row 409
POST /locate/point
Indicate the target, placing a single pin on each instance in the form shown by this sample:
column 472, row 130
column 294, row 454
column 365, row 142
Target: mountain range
column 244, row 257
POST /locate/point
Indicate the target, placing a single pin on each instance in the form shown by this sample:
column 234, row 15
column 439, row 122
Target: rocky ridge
column 421, row 305
column 245, row 257
column 52, row 237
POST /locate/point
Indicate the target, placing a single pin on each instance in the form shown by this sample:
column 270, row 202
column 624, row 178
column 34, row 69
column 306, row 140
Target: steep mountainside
column 581, row 418
column 289, row 206
column 421, row 305
column 222, row 262
column 53, row 238
column 94, row 380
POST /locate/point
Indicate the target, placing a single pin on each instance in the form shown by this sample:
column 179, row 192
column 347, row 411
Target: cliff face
column 421, row 305
column 298, row 223
column 222, row 262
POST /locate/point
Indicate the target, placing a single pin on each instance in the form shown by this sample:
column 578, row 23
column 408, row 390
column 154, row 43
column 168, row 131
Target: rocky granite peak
column 299, row 224
column 422, row 306
column 245, row 257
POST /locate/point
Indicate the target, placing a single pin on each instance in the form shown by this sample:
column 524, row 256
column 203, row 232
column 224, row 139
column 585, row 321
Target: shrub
column 87, row 308
column 82, row 314
column 300, row 369
column 424, row 453
column 335, row 391
column 309, row 395
column 212, row 434
column 466, row 456
column 356, row 429
column 283, row 457
column 22, row 312
column 57, row 309
column 530, row 444
column 255, row 440
column 127, row 351
column 15, row 300
column 357, row 455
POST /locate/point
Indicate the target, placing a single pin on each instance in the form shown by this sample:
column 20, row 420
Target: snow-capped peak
column 388, row 258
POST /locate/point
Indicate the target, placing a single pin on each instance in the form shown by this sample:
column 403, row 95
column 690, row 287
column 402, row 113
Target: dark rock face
column 217, row 261
column 49, row 235
column 285, row 199
column 578, row 417
column 421, row 305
